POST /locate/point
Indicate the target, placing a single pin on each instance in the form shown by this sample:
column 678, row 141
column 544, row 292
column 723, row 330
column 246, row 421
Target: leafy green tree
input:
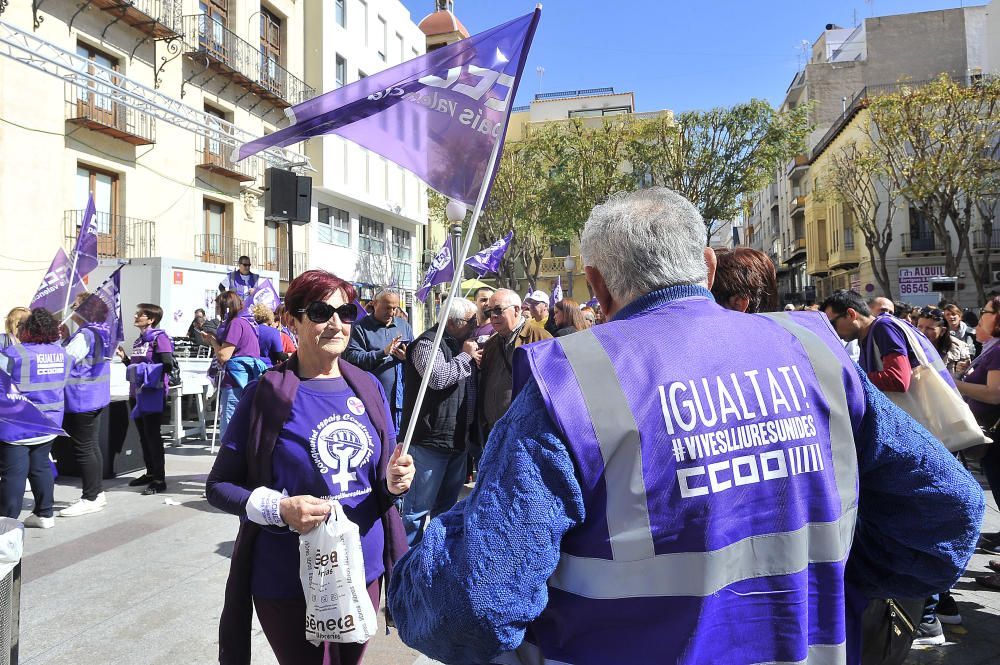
column 716, row 157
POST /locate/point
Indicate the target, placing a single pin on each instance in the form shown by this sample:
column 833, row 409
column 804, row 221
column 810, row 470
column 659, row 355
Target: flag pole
column 458, row 263
column 90, row 293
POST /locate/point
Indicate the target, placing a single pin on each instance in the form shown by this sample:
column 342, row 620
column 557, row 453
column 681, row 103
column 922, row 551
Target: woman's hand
column 303, row 513
column 399, row 475
column 120, row 352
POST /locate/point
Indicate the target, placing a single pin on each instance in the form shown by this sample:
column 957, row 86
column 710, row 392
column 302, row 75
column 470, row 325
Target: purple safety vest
column 143, row 352
column 720, row 488
column 39, row 370
column 88, row 387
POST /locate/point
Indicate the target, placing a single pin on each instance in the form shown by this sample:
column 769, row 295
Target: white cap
column 789, row 307
column 537, row 296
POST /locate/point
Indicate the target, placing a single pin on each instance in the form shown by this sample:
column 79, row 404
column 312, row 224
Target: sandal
column 994, row 564
column 990, row 581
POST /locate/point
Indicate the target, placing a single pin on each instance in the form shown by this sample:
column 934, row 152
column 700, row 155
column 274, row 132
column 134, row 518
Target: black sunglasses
column 498, row 310
column 321, row 312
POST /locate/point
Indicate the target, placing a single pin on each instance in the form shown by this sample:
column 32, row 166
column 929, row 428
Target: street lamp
column 570, row 264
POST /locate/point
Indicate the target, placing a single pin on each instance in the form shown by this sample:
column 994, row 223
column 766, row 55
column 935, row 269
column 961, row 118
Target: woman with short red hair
column 313, row 430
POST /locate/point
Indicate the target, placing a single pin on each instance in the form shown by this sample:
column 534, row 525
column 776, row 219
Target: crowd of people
column 648, row 490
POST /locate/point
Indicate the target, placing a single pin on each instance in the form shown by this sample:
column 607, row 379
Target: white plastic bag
column 11, row 544
column 332, row 570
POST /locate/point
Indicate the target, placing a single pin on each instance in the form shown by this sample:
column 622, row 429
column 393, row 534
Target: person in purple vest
column 889, row 361
column 88, row 393
column 38, row 366
column 148, row 372
column 241, row 280
column 313, row 430
column 237, row 350
column 646, row 502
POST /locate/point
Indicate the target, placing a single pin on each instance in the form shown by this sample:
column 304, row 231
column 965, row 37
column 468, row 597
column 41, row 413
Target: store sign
column 917, row 280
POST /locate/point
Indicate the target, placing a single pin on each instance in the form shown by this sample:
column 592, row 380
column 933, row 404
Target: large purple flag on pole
column 488, row 260
column 59, row 285
column 442, row 270
column 103, row 308
column 85, row 251
column 437, row 115
column 19, row 418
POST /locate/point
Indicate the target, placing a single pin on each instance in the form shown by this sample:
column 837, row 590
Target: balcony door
column 212, row 28
column 270, row 51
column 95, row 102
column 218, row 241
column 215, row 149
column 103, row 185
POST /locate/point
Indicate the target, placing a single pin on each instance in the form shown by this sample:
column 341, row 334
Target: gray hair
column 508, row 297
column 461, row 310
column 645, row 240
column 388, row 291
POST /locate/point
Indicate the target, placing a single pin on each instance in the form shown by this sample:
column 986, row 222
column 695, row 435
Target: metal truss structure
column 31, row 50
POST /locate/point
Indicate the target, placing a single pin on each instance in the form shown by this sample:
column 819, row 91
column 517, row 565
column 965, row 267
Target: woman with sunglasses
column 934, row 326
column 313, row 430
column 981, row 388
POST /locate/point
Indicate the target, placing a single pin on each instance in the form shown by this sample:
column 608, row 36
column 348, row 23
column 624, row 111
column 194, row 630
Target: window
column 399, row 47
column 340, row 12
column 103, row 185
column 402, row 256
column 383, row 44
column 95, row 100
column 371, row 236
column 364, row 21
column 217, row 244
column 559, row 249
column 341, row 72
column 361, row 75
column 334, row 226
column 270, row 48
column 212, row 35
column 214, row 149
column 597, row 113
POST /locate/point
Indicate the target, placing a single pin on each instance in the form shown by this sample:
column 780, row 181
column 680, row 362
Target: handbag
column 887, row 628
column 934, row 403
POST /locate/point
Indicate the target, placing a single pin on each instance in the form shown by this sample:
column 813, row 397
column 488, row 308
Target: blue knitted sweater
column 478, row 578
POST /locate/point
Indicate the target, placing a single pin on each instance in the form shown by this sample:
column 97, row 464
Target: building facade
column 843, row 63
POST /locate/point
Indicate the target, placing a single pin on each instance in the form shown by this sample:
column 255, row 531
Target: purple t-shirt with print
column 986, row 362
column 241, row 334
column 885, row 335
column 328, row 448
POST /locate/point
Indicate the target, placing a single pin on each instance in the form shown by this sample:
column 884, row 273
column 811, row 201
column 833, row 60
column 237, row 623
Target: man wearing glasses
column 446, row 415
column 496, row 373
column 242, row 281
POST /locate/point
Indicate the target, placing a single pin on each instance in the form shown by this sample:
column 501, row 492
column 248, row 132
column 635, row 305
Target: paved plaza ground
column 141, row 583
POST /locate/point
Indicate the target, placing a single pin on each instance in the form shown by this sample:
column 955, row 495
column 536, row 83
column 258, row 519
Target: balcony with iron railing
column 209, row 41
column 223, row 249
column 981, row 240
column 118, row 237
column 276, row 258
column 97, row 109
column 553, row 266
column 798, row 165
column 923, row 241
column 160, row 19
column 215, row 156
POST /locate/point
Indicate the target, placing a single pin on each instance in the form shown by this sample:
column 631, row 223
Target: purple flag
column 85, row 252
column 488, row 260
column 438, row 115
column 442, row 270
column 362, row 312
column 592, row 303
column 265, row 294
column 103, row 309
column 59, row 285
column 556, row 292
column 19, row 418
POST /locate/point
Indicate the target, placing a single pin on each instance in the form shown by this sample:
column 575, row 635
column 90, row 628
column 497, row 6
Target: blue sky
column 673, row 54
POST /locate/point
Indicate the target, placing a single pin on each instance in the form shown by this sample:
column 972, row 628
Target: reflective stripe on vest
column 24, row 382
column 819, row 654
column 635, row 571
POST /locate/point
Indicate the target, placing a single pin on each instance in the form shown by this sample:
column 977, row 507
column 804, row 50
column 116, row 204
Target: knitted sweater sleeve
column 477, row 579
column 919, row 510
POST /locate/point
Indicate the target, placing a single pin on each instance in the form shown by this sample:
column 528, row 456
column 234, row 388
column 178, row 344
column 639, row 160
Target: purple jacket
column 271, row 407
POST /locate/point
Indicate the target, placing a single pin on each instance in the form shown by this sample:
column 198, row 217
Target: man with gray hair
column 446, row 415
column 496, row 371
column 644, row 502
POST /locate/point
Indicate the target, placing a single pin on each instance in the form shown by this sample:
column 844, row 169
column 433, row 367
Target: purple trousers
column 284, row 624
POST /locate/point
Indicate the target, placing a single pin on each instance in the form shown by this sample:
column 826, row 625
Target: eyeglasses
column 321, row 312
column 498, row 310
column 932, row 313
column 987, row 311
column 471, row 321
